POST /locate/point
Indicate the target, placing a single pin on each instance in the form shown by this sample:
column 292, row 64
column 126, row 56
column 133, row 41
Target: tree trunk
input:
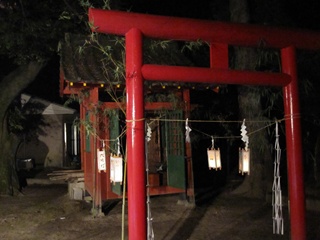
column 250, row 108
column 9, row 182
column 10, row 87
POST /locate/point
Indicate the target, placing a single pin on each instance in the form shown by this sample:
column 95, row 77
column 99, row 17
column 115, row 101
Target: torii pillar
column 293, row 137
column 135, row 136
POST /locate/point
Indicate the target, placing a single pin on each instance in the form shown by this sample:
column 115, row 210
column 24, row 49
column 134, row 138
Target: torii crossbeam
column 220, row 35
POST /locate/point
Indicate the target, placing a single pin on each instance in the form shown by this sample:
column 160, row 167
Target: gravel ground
column 45, row 212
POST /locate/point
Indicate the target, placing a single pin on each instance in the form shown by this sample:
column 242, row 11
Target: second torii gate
column 219, row 35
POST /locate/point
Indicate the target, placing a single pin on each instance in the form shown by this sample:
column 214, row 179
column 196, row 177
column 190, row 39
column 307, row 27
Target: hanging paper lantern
column 214, row 159
column 244, row 161
column 101, row 156
column 116, row 168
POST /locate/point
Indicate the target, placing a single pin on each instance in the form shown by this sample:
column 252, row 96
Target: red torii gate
column 220, row 35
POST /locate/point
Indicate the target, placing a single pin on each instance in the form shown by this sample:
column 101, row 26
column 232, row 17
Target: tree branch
column 15, row 82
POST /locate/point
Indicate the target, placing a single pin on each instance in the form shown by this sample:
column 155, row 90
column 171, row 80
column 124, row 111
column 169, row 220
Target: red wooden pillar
column 82, row 137
column 294, row 146
column 94, row 119
column 135, row 137
column 190, row 180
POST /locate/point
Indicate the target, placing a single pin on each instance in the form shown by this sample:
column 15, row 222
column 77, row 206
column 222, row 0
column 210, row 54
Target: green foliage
column 154, row 45
column 104, row 4
column 193, row 46
column 89, row 127
column 16, row 120
column 268, row 59
column 30, row 30
column 25, row 121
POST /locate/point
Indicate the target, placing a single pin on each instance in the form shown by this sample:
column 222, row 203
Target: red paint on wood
column 135, row 137
column 163, row 27
column 213, row 76
column 294, row 146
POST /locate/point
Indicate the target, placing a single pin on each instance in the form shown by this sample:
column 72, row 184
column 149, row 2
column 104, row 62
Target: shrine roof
column 100, row 58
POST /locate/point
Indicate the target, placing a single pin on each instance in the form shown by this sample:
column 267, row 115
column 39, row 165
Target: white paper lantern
column 101, row 155
column 214, row 159
column 244, row 161
column 116, row 169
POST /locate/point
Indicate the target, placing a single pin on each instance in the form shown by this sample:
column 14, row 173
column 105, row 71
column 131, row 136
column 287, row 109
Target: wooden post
column 294, row 146
column 135, row 137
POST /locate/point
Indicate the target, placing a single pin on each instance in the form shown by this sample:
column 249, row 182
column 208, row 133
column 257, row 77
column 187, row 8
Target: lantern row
column 214, row 156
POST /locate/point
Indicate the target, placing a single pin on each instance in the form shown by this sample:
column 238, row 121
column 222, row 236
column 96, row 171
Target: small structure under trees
column 136, row 27
column 92, row 70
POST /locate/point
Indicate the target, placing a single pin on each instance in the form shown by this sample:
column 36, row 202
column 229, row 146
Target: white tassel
column 149, row 133
column 188, row 130
column 278, row 227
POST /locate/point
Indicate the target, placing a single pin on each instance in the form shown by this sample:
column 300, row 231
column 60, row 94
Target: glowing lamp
column 244, row 161
column 214, row 159
column 84, row 84
column 216, row 89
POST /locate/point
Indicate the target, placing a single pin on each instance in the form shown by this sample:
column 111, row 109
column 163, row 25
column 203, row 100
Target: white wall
column 48, row 149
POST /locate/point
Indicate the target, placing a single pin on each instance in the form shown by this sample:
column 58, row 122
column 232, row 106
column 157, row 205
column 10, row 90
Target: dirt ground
column 45, row 212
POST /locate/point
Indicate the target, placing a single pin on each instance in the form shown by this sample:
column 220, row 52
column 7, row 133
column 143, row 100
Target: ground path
column 45, row 212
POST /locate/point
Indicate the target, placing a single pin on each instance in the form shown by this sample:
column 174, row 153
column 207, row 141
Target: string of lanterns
column 213, row 154
column 214, row 162
column 116, row 160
